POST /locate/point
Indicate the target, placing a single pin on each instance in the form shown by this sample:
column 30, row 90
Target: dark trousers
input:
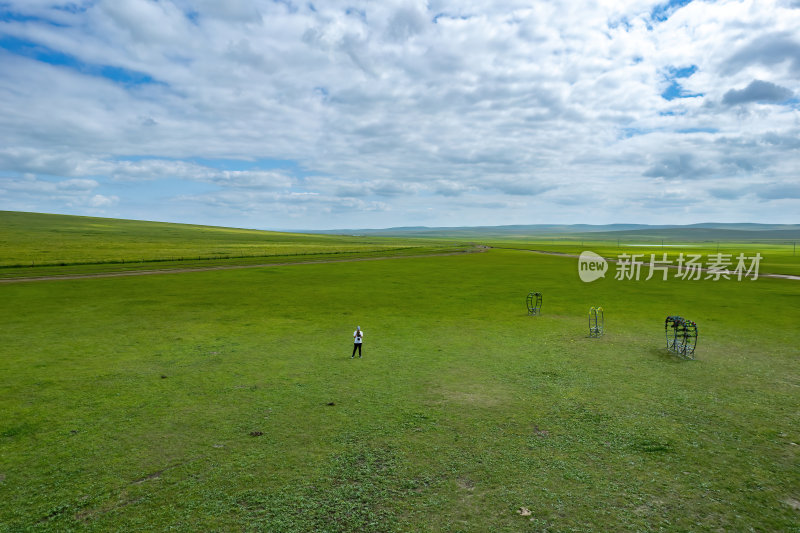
column 356, row 346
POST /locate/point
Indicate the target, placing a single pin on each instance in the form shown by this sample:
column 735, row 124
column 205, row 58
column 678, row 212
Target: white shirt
column 357, row 337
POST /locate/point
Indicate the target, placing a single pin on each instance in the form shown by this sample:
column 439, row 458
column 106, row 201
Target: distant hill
column 692, row 232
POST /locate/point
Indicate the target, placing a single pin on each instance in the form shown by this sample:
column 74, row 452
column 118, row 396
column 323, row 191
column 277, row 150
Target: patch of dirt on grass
column 148, row 477
column 256, row 433
column 541, row 433
column 648, row 508
column 158, row 473
column 794, row 504
column 466, row 484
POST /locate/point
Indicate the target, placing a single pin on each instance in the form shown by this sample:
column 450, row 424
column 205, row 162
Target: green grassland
column 227, row 400
column 777, row 244
column 88, row 244
column 776, row 258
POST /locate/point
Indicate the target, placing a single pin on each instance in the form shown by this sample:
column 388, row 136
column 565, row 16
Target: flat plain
column 228, row 400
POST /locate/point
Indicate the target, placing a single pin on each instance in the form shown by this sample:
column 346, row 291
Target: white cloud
column 70, row 194
column 99, row 201
column 403, row 109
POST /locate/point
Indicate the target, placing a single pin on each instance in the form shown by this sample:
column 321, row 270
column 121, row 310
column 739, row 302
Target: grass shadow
column 666, row 356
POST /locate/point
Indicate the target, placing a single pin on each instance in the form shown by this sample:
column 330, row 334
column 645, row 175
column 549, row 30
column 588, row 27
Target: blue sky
column 300, row 115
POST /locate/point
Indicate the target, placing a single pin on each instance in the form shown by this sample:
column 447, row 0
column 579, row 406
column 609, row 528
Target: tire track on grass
column 127, row 273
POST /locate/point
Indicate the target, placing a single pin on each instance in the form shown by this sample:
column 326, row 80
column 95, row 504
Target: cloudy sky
column 292, row 114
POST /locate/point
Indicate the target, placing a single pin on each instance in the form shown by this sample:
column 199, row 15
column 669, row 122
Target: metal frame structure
column 681, row 336
column 597, row 322
column 534, row 303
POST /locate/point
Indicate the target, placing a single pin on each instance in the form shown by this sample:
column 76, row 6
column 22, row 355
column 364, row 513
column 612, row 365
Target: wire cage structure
column 597, row 322
column 534, row 303
column 681, row 336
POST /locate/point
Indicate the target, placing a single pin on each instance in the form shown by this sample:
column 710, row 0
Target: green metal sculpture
column 597, row 322
column 681, row 336
column 534, row 302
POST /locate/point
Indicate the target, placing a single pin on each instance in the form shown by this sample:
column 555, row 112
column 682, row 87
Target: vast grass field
column 228, row 401
column 42, row 241
column 776, row 257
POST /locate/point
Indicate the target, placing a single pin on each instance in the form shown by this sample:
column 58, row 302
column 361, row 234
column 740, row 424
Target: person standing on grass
column 357, row 336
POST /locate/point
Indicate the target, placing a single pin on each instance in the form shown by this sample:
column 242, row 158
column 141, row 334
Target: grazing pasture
column 776, row 257
column 34, row 244
column 228, row 401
